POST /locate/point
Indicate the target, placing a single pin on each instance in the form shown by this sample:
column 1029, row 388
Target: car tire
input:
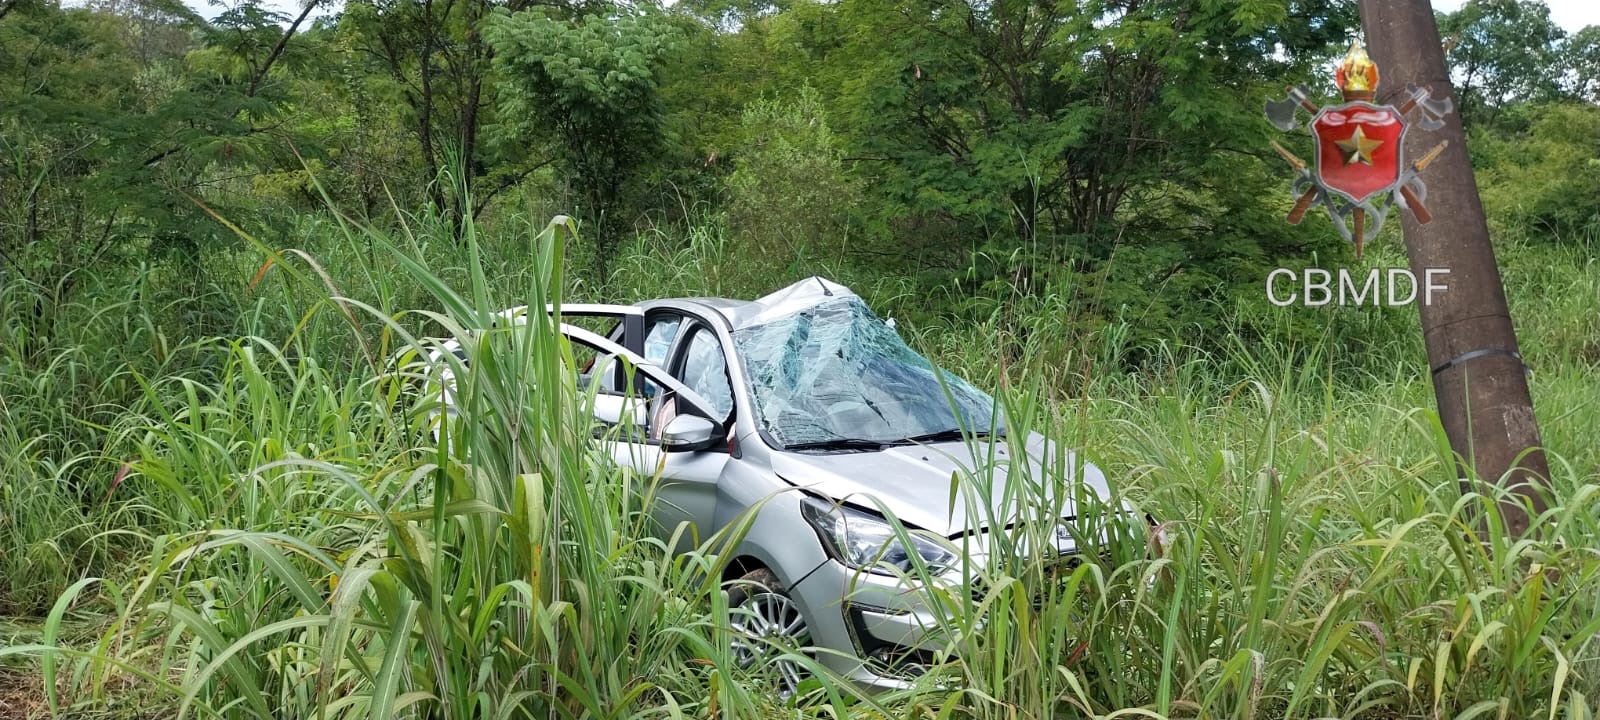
column 762, row 611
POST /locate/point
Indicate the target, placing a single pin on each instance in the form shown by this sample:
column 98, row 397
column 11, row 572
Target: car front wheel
column 768, row 625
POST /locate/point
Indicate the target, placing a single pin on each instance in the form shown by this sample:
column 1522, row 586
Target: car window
column 705, row 371
column 835, row 371
column 659, row 339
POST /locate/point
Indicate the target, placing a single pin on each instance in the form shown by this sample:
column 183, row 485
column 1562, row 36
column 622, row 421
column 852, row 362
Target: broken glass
column 835, row 371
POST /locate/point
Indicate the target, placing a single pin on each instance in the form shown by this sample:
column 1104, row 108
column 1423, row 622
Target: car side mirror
column 688, row 432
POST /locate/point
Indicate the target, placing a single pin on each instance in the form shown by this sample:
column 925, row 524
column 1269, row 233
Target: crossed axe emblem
column 1407, row 190
column 1284, row 116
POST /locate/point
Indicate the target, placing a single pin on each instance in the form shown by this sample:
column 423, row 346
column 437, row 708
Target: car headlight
column 866, row 542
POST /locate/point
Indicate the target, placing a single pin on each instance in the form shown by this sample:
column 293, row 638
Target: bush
column 1544, row 181
column 789, row 195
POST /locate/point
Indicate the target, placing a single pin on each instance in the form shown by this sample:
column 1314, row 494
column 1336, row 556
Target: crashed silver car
column 808, row 410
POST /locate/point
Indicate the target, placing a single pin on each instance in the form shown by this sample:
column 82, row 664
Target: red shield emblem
column 1358, row 148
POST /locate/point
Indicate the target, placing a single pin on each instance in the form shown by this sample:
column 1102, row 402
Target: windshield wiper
column 947, row 436
column 857, row 444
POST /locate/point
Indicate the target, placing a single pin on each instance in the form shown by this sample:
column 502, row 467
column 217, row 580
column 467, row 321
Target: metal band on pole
column 1471, row 355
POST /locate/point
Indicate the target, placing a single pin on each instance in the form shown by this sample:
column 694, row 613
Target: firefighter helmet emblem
column 1360, row 171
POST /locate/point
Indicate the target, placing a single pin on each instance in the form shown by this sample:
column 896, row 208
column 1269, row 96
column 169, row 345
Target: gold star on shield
column 1358, row 147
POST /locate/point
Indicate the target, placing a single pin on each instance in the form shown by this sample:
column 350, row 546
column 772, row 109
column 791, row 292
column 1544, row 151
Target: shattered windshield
column 836, row 372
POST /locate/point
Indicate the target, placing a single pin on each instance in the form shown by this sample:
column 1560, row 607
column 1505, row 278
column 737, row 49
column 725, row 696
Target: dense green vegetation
column 219, row 241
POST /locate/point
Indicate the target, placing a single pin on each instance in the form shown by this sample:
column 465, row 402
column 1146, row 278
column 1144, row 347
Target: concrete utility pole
column 1478, row 374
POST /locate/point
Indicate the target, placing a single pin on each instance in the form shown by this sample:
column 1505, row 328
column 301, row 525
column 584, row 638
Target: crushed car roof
column 806, row 293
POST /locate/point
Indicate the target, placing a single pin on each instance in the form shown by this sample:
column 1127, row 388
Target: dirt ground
column 21, row 695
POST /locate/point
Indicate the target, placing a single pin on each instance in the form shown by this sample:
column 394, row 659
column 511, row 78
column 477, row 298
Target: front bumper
column 877, row 630
column 884, row 621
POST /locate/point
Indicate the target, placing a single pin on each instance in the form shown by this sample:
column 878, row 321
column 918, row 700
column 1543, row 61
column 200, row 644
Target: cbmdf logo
column 1359, row 170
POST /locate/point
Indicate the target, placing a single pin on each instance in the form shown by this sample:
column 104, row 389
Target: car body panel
column 686, row 487
column 913, row 482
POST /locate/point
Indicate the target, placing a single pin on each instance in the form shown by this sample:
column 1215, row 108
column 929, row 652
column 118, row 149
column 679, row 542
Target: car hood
column 913, row 482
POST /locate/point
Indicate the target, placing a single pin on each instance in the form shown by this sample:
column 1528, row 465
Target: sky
column 1571, row 15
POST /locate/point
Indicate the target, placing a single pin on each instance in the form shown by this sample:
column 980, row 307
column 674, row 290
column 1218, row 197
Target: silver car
column 807, row 409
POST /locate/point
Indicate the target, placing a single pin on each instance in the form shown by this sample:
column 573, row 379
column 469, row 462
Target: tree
column 591, row 83
column 732, row 15
column 1067, row 134
column 114, row 115
column 1544, row 179
column 432, row 55
column 1505, row 52
column 1067, row 108
column 789, row 190
column 1582, row 54
column 75, row 134
column 732, row 54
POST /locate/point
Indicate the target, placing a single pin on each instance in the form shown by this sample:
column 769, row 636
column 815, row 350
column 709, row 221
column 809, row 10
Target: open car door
column 647, row 419
column 626, row 329
column 665, row 432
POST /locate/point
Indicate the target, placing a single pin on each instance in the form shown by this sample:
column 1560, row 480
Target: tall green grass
column 323, row 560
column 256, row 523
column 70, row 373
column 1309, row 573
